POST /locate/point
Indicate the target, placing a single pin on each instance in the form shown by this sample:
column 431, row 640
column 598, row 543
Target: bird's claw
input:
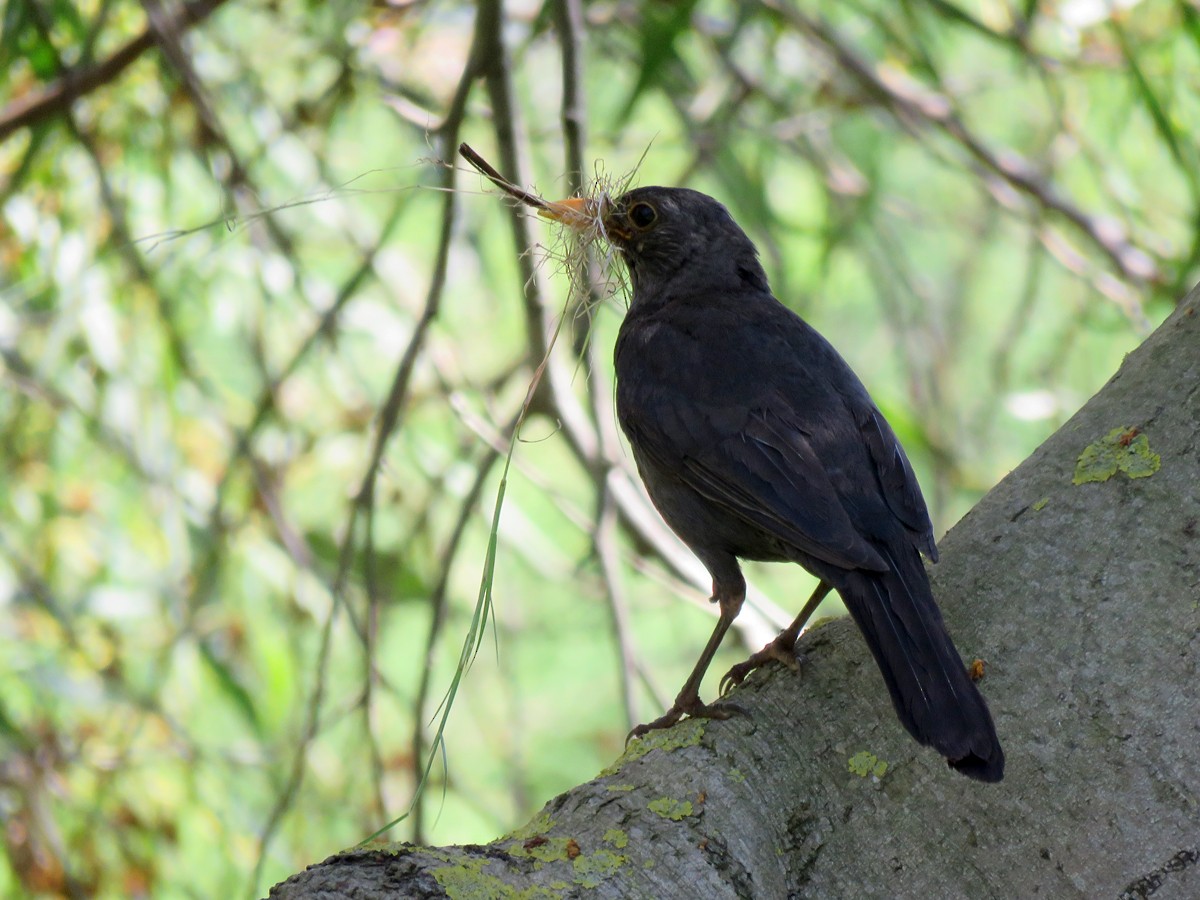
column 780, row 652
column 693, row 709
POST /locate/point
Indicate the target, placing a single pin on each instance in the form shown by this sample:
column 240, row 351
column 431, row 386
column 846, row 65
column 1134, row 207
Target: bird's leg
column 783, row 648
column 730, row 596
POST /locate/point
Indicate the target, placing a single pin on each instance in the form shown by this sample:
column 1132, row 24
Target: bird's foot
column 782, row 649
column 688, row 706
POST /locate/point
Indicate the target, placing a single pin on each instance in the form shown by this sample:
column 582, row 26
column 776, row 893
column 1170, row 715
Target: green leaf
column 661, row 26
column 1161, row 117
column 10, row 33
column 238, row 695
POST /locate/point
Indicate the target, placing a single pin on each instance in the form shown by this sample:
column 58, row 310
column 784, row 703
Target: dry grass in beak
column 583, row 221
column 584, row 218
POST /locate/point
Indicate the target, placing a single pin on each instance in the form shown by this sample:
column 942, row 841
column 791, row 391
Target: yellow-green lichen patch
column 1124, row 450
column 466, row 880
column 542, row 848
column 617, row 838
column 670, row 809
column 686, row 734
column 736, row 775
column 864, row 763
column 538, row 825
column 592, row 869
column 1041, row 504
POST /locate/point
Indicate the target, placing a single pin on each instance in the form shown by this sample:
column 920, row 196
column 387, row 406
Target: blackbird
column 756, row 440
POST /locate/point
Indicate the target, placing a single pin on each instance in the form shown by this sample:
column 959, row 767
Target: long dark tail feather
column 934, row 697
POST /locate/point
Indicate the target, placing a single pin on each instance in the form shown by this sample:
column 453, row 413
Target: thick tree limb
column 1083, row 598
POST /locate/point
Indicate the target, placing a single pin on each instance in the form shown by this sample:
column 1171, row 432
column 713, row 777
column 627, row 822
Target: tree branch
column 54, row 98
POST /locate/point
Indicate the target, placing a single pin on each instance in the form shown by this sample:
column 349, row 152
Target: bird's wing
column 768, row 474
column 896, row 478
column 758, row 413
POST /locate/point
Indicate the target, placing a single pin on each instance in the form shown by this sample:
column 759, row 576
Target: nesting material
column 584, row 219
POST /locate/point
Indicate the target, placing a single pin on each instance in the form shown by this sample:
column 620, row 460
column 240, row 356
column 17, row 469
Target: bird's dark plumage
column 756, row 441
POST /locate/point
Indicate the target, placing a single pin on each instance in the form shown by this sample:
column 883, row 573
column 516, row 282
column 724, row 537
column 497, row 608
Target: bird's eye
column 642, row 215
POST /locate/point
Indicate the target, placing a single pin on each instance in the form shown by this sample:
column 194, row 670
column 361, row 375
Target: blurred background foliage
column 260, row 370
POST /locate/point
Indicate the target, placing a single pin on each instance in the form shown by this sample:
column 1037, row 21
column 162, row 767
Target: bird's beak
column 578, row 212
column 588, row 217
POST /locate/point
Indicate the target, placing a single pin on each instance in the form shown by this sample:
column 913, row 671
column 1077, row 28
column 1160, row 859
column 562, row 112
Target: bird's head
column 672, row 236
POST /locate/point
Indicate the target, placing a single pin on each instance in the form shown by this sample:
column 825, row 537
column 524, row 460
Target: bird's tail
column 934, row 697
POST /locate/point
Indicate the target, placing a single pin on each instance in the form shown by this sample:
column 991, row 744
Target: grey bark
column 1084, row 599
